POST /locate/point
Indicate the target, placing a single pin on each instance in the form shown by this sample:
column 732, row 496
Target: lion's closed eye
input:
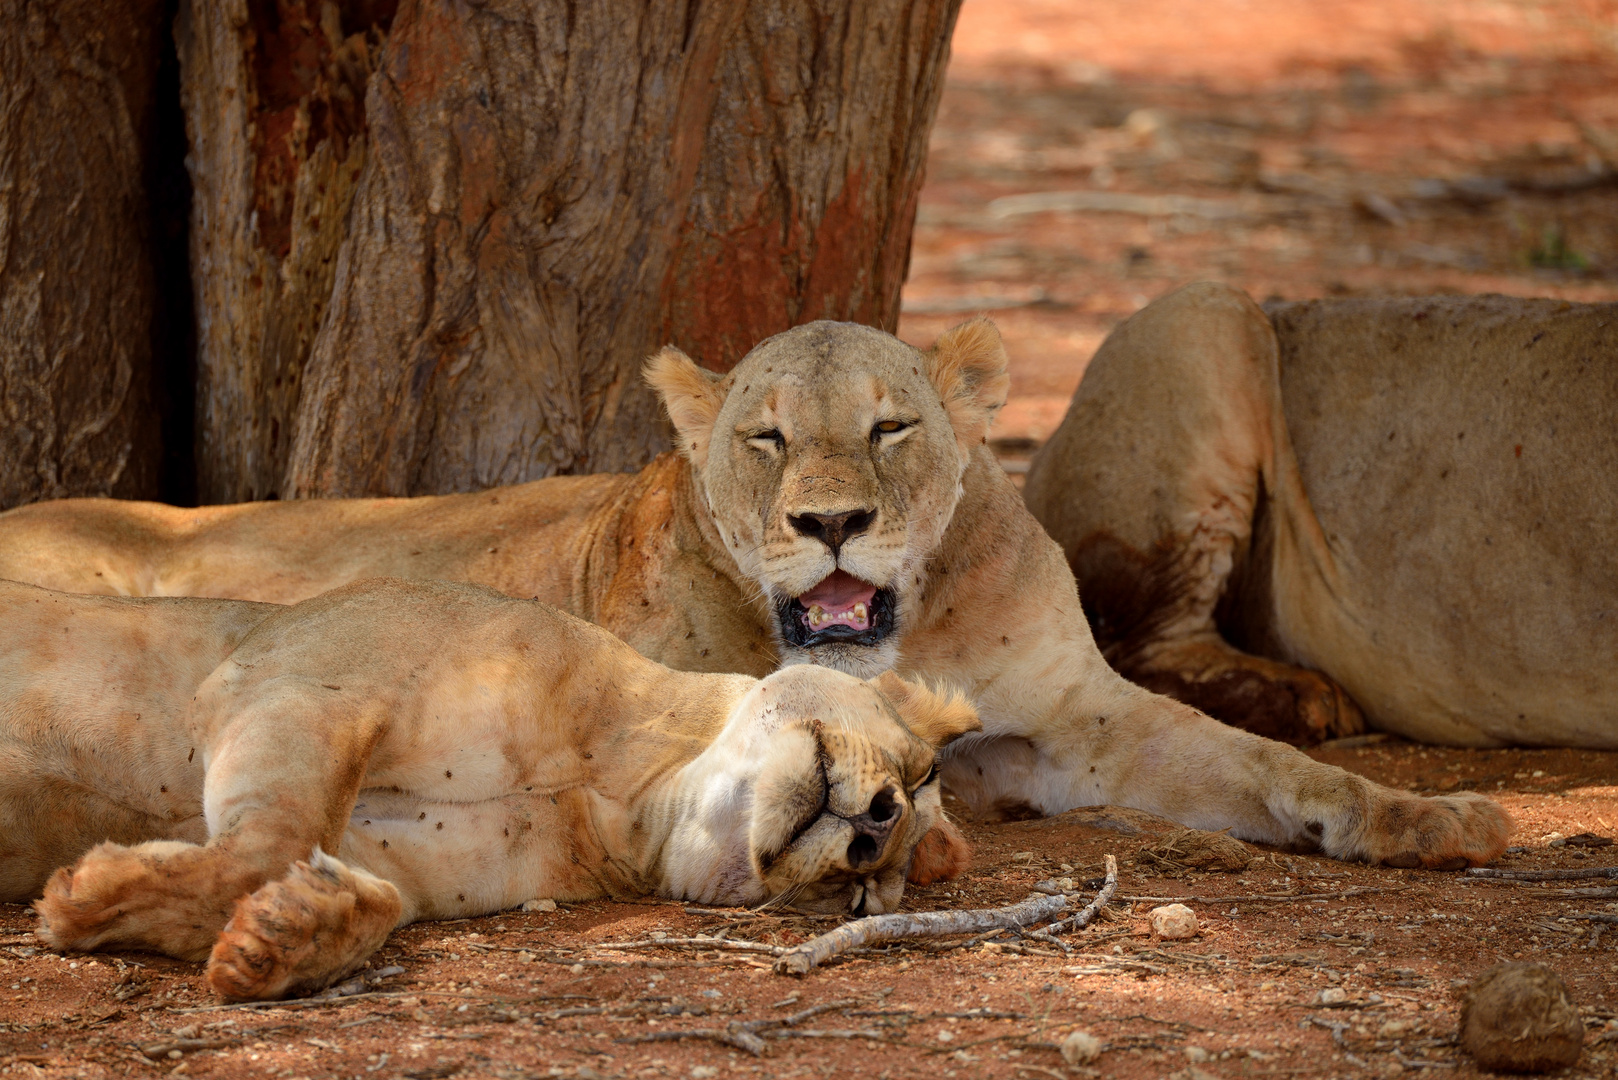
column 768, row 441
column 806, row 802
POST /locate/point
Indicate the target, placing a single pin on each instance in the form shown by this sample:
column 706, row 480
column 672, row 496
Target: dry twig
column 748, row 1036
column 1542, row 875
column 1264, row 898
column 1084, row 917
column 801, row 959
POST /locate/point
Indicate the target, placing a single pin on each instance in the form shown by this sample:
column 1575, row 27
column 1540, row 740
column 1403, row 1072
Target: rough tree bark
column 273, row 94
column 549, row 192
column 76, row 280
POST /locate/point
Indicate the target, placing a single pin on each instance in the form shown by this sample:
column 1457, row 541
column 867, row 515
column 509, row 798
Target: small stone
column 539, row 905
column 1173, row 922
column 1022, row 856
column 176, row 1055
column 1196, row 1055
column 1333, row 995
column 703, row 1072
column 577, row 969
column 1521, row 1018
column 946, row 1035
column 526, row 957
column 1080, row 1047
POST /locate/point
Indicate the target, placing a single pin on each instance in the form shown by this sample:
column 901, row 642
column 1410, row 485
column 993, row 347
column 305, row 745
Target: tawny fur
column 687, row 560
column 454, row 750
column 1404, row 504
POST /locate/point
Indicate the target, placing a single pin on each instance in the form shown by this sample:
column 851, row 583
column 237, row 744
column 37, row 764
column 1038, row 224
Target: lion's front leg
column 303, row 932
column 1186, row 766
column 1107, row 741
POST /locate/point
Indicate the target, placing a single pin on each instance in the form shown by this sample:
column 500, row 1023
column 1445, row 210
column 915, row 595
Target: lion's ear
column 967, row 366
column 939, row 718
column 692, row 396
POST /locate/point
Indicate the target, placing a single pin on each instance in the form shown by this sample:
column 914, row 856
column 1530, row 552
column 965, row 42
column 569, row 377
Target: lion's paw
column 941, row 855
column 303, row 932
column 1278, row 701
column 1447, row 832
column 106, row 896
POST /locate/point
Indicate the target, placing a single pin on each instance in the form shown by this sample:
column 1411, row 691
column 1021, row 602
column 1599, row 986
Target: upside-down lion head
column 831, row 460
column 816, row 794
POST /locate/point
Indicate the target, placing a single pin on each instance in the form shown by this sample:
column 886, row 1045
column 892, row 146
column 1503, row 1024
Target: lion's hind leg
column 303, row 932
column 1173, row 454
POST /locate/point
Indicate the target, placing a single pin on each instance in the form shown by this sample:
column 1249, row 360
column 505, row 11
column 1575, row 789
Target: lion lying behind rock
column 832, row 502
column 442, row 751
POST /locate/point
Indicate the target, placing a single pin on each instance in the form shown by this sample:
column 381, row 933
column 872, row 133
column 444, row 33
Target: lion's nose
column 873, row 829
column 832, row 529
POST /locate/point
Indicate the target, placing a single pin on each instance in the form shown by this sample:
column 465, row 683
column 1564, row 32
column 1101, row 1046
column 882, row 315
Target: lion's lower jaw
column 860, row 661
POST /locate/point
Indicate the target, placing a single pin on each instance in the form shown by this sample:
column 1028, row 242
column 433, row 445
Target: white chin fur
column 860, row 661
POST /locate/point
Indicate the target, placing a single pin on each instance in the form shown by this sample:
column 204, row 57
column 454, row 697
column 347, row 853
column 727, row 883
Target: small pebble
column 1080, row 1047
column 1333, row 995
column 1173, row 922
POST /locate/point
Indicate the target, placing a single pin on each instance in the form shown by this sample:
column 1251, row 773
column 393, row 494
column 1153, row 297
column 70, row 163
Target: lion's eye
column 888, row 427
column 932, row 774
column 766, row 440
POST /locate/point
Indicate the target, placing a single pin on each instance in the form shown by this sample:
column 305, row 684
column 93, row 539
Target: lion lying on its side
column 831, row 502
column 443, row 751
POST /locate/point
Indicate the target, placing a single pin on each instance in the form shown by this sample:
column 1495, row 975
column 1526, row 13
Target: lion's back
column 1459, row 455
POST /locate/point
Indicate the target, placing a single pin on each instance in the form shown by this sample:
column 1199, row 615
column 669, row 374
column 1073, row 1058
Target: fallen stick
column 1084, row 917
column 741, row 1040
column 743, row 1036
column 701, row 941
column 801, row 959
column 1263, row 898
column 1581, row 894
column 1542, row 875
column 1595, row 916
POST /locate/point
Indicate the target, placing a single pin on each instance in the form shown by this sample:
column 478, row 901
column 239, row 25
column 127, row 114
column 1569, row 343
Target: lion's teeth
column 817, row 615
column 859, row 611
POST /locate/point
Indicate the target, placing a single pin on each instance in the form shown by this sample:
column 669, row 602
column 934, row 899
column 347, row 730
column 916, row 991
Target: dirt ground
column 1296, row 149
column 1291, row 148
column 568, row 993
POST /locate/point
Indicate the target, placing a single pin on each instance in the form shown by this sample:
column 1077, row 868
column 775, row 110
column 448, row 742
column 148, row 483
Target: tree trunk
column 273, row 93
column 549, row 192
column 76, row 273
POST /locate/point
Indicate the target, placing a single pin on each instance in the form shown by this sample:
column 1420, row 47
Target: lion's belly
column 453, row 859
column 1464, row 471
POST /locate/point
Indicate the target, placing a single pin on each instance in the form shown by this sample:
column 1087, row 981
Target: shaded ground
column 520, row 995
column 1291, row 148
column 1354, row 147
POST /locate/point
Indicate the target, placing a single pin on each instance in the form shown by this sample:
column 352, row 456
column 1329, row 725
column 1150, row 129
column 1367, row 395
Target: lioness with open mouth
column 831, row 501
column 442, row 751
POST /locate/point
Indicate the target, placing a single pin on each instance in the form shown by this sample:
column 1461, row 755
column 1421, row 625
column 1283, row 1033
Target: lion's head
column 815, row 794
column 831, row 460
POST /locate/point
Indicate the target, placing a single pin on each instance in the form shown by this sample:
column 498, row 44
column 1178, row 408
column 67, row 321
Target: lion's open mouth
column 841, row 609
